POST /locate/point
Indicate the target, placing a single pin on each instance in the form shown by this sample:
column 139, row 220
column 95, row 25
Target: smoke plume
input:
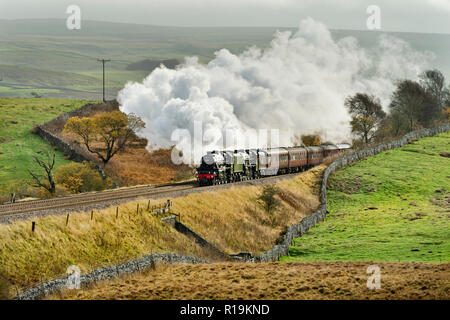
column 297, row 85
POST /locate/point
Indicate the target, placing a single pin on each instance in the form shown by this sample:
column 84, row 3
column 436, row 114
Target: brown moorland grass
column 136, row 166
column 294, row 280
column 233, row 220
column 229, row 218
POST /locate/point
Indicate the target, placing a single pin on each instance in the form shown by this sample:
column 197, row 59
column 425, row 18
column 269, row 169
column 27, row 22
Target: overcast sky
column 396, row 15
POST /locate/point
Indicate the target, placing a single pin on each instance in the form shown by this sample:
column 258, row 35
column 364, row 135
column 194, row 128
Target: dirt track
column 320, row 280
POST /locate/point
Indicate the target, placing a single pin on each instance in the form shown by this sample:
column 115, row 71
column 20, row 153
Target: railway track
column 104, row 197
column 90, row 198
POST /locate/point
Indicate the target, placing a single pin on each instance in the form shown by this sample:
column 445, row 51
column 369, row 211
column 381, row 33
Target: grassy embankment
column 394, row 206
column 27, row 258
column 18, row 144
column 231, row 219
column 294, row 280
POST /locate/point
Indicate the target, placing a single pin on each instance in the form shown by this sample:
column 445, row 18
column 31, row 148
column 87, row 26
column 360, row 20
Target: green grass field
column 18, row 144
column 394, row 206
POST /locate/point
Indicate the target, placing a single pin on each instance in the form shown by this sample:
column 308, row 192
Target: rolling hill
column 32, row 52
column 390, row 207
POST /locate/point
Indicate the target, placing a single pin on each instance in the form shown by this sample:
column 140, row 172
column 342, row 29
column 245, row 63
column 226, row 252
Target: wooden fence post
column 137, row 209
column 67, row 219
column 117, row 212
column 33, row 226
column 148, row 205
column 92, row 214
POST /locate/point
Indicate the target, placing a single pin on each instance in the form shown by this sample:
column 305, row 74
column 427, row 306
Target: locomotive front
column 209, row 169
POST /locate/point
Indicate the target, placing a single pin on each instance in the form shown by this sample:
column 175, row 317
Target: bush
column 42, row 193
column 358, row 144
column 20, row 189
column 267, row 198
column 80, row 177
column 311, row 140
column 306, row 140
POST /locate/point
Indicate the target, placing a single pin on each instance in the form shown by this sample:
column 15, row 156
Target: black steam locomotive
column 219, row 167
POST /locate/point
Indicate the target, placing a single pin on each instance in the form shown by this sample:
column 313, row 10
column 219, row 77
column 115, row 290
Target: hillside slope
column 18, row 144
column 394, row 206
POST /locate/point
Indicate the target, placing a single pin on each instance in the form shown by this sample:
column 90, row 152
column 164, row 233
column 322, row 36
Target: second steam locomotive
column 219, row 167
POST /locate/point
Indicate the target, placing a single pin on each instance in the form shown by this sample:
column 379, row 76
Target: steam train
column 219, row 167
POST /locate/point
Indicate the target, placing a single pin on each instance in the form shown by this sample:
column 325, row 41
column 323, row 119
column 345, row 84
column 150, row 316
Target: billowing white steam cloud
column 297, row 85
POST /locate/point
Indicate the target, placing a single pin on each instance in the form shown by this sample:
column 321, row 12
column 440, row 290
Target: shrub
column 19, row 189
column 311, row 140
column 268, row 200
column 61, row 191
column 358, row 144
column 80, row 177
column 306, row 140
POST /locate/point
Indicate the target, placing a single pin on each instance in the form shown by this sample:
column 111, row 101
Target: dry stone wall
column 182, row 228
column 65, row 148
column 148, row 261
column 61, row 145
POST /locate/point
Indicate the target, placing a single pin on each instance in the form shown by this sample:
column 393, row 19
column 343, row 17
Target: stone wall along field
column 307, row 223
column 148, row 261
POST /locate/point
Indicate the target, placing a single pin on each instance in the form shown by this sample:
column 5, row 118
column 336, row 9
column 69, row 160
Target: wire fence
column 159, row 211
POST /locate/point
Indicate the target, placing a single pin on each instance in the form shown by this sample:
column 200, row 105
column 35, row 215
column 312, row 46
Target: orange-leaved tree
column 306, row 140
column 106, row 133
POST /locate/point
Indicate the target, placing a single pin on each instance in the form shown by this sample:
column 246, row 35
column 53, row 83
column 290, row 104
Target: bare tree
column 45, row 181
column 367, row 113
column 415, row 104
column 433, row 81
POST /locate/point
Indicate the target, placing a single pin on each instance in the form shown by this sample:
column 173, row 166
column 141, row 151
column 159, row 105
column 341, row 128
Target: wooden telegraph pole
column 103, row 64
